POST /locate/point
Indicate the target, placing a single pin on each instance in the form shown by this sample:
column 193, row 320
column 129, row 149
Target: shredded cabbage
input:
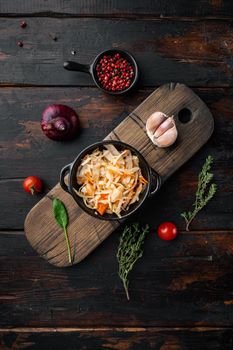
column 110, row 180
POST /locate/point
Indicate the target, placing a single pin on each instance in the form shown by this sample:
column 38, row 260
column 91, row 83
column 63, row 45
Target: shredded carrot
column 143, row 180
column 104, row 196
column 130, row 195
column 89, row 178
column 127, row 174
column 80, row 179
column 101, row 208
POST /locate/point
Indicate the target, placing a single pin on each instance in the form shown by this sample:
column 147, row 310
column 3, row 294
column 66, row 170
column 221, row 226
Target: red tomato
column 32, row 184
column 167, row 231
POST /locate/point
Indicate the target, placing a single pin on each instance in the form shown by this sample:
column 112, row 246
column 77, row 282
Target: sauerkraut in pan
column 110, row 180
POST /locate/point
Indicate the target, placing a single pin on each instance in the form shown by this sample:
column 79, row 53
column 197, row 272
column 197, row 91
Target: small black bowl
column 91, row 69
column 154, row 180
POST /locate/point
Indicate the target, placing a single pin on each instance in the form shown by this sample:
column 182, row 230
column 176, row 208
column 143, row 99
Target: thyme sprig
column 130, row 249
column 203, row 194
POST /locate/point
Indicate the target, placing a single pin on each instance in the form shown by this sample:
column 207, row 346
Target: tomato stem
column 32, row 190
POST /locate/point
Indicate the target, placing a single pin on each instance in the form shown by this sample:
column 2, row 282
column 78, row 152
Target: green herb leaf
column 60, row 213
column 62, row 218
column 203, row 194
column 130, row 249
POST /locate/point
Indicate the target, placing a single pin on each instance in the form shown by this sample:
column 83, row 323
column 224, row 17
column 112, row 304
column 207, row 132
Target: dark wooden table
column 182, row 291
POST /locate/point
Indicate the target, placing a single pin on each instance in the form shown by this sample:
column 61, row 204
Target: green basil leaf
column 60, row 213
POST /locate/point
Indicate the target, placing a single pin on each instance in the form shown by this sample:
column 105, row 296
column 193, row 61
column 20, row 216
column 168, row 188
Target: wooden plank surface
column 195, row 53
column 172, row 99
column 23, row 143
column 201, row 338
column 155, row 8
column 185, row 47
column 184, row 283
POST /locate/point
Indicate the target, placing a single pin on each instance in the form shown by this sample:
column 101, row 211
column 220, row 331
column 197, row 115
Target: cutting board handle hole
column 184, row 115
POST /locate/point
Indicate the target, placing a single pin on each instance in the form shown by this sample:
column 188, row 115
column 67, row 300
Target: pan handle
column 156, row 181
column 69, row 65
column 63, row 173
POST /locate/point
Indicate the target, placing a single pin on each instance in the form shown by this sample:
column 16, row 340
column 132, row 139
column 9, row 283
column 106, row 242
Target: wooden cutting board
column 195, row 125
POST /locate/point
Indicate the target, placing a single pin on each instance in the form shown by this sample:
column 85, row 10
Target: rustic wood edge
column 170, row 86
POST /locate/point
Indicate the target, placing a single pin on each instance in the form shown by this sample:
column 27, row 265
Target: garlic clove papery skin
column 166, row 125
column 166, row 139
column 161, row 129
column 154, row 121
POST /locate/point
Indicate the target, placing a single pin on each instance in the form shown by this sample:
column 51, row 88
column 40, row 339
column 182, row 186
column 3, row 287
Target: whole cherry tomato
column 167, row 231
column 32, row 184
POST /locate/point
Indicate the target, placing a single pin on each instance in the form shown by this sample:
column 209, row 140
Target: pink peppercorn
column 114, row 72
column 23, row 24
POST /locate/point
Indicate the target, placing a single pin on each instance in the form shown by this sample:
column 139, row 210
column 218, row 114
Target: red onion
column 59, row 122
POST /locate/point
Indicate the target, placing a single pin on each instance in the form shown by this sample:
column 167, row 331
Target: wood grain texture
column 86, row 232
column 184, row 283
column 23, row 143
column 118, row 339
column 194, row 53
column 119, row 8
column 171, row 99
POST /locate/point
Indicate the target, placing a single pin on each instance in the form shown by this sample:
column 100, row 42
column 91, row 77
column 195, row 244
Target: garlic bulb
column 161, row 129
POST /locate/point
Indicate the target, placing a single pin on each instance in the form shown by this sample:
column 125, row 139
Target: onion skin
column 59, row 122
